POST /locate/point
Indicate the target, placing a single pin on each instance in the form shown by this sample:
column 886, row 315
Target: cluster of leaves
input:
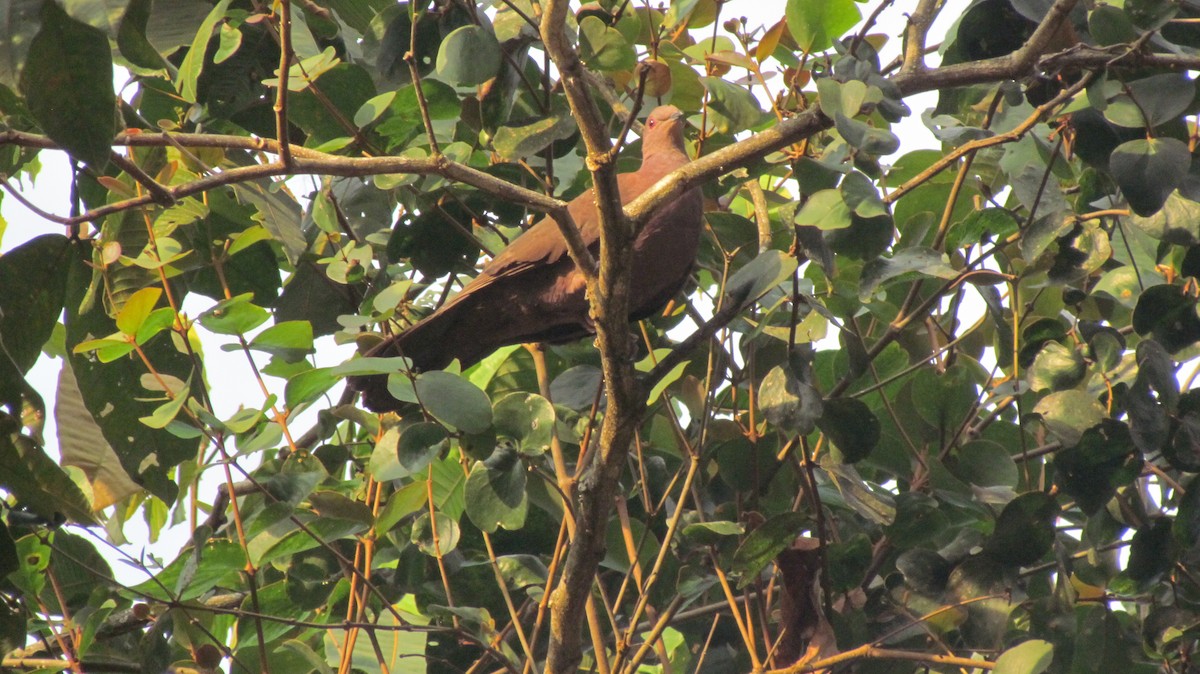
column 945, row 427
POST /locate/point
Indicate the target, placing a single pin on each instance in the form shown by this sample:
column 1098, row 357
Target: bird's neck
column 659, row 161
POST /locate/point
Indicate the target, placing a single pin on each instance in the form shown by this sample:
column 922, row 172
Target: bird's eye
column 651, row 123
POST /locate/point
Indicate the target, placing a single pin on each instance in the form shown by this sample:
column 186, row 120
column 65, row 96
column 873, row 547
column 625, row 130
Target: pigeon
column 533, row 292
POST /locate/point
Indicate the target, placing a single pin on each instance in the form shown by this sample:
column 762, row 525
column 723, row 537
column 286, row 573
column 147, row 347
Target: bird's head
column 664, row 127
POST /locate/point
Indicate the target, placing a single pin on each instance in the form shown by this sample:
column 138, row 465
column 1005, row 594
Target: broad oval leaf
column 1148, row 170
column 469, row 55
column 454, row 401
column 815, row 24
column 764, row 543
column 526, row 418
column 67, row 82
column 1031, row 657
column 851, row 426
column 496, row 492
column 789, row 404
column 437, row 543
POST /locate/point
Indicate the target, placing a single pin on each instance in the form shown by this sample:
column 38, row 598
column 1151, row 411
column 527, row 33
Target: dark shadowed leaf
column 496, row 491
column 67, row 82
column 1104, row 460
column 27, row 318
column 1168, row 314
column 908, row 261
column 438, row 540
column 788, row 403
column 764, row 543
column 1178, row 221
column 1148, row 170
column 924, row 570
column 1150, row 554
column 764, row 272
column 851, row 426
column 1024, row 530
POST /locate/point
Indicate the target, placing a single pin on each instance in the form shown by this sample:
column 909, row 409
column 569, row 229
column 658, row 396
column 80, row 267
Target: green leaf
column 1032, row 657
column 307, row 386
column 469, row 55
column 407, row 451
column 234, row 316
column 869, row 139
column 496, row 492
column 166, row 412
column 446, row 538
column 1151, row 101
column 403, row 120
column 825, row 210
column 19, row 23
column 454, row 401
column 604, row 48
column 136, row 310
column 925, row 261
column 337, row 506
column 764, row 543
column 284, row 539
column 131, row 36
column 1178, row 221
column 986, row 464
column 1056, row 368
column 278, row 212
column 1024, row 530
column 67, row 82
column 764, row 272
column 711, row 533
column 736, row 105
column 992, row 223
column 789, row 404
column 516, row 142
column 851, row 426
column 1103, row 461
column 1169, row 314
column 1148, row 170
column 196, row 571
column 815, row 24
column 290, row 340
column 526, row 418
column 28, row 317
column 1069, row 413
column 861, row 196
column 38, row 483
column 193, row 62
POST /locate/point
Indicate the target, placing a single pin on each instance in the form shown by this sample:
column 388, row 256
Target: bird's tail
column 428, row 345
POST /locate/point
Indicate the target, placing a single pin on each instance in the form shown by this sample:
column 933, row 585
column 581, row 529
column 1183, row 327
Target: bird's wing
column 543, row 244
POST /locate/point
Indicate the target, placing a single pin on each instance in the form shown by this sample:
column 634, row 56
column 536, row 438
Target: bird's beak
column 678, row 116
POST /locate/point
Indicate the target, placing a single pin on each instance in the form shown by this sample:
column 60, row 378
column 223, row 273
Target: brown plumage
column 532, row 291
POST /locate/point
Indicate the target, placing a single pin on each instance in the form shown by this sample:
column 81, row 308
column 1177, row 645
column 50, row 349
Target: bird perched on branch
column 533, row 292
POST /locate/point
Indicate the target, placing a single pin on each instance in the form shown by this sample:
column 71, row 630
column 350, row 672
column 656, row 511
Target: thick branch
column 609, row 297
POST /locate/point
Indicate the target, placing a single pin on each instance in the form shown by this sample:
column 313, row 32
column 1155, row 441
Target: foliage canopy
column 920, row 410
